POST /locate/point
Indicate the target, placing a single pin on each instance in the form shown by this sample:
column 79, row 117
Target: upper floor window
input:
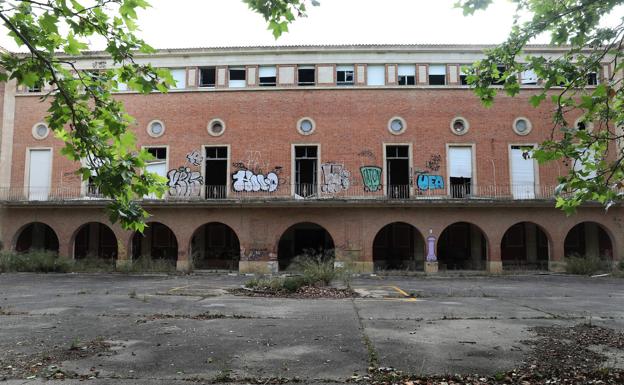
column 501, row 70
column 528, row 77
column 437, row 74
column 306, row 75
column 268, row 76
column 207, row 77
column 237, row 77
column 179, row 77
column 344, row 75
column 592, row 79
column 407, row 75
column 376, row 75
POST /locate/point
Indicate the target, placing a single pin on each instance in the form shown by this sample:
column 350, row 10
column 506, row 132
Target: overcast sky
column 210, row 23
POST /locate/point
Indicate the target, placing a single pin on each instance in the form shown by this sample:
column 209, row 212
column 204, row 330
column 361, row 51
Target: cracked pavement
column 420, row 325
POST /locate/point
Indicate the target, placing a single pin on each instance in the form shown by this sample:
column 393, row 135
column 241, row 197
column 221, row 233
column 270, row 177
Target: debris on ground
column 309, row 292
column 198, row 317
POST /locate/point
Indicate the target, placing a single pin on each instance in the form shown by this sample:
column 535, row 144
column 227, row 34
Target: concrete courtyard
column 160, row 332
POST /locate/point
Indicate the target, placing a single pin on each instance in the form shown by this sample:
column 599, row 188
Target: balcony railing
column 294, row 192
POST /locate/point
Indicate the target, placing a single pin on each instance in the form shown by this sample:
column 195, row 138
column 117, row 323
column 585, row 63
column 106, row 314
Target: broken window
column 344, row 75
column 268, row 76
column 407, row 75
column 237, row 77
column 398, row 171
column 306, row 161
column 207, row 77
column 216, row 172
column 437, row 74
column 306, row 75
column 376, row 75
column 460, row 171
column 592, row 79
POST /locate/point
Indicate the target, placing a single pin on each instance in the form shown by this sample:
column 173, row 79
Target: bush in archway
column 316, row 268
column 587, row 265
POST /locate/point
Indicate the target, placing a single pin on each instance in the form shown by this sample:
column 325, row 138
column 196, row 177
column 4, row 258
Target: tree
column 83, row 112
column 595, row 157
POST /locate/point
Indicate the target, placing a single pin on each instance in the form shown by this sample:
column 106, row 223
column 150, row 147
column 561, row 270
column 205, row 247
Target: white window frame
column 384, row 172
column 377, row 68
column 406, row 70
column 293, row 173
column 262, row 69
column 228, row 180
column 473, row 179
column 536, row 176
column 345, row 69
column 27, row 169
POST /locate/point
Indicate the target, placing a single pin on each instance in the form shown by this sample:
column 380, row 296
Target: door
column 460, row 171
column 39, row 172
column 522, row 173
column 398, row 171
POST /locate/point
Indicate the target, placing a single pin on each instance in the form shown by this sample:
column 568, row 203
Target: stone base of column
column 121, row 263
column 183, row 266
column 431, row 267
column 362, row 267
column 557, row 266
column 258, row 267
column 494, row 267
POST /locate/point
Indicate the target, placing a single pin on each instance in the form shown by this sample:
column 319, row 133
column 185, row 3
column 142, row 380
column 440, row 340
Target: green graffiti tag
column 371, row 175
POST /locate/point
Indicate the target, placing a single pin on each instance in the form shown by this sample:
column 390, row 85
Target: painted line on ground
column 408, row 298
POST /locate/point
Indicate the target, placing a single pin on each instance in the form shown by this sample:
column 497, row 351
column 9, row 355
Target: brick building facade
column 364, row 150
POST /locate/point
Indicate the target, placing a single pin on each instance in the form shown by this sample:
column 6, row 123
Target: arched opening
column 37, row 236
column 462, row 246
column 588, row 239
column 398, row 246
column 215, row 246
column 524, row 246
column 300, row 239
column 95, row 240
column 156, row 242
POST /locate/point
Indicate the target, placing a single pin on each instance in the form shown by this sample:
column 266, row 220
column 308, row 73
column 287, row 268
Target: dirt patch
column 48, row 363
column 199, row 317
column 559, row 355
column 303, row 292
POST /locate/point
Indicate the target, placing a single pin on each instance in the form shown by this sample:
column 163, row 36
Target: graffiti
column 335, row 178
column 371, row 176
column 194, row 157
column 246, row 180
column 430, row 182
column 258, row 254
column 433, row 163
column 367, row 154
column 184, row 182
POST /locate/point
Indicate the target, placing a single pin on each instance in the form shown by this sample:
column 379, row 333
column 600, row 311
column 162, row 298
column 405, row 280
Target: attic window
column 437, row 74
column 207, row 77
column 407, row 75
column 268, row 76
column 306, row 76
column 237, row 77
column 344, row 75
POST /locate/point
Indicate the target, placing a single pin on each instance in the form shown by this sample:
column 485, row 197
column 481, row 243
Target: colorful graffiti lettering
column 246, row 180
column 430, row 182
column 335, row 178
column 371, row 176
column 184, row 182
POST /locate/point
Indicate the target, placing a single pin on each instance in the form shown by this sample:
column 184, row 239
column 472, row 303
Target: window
column 39, row 174
column 459, row 126
column 344, row 75
column 522, row 126
column 179, row 77
column 592, row 79
column 268, row 76
column 216, row 172
column 157, row 165
column 306, row 75
column 306, row 163
column 397, row 172
column 528, row 77
column 501, row 70
column 437, row 74
column 40, row 131
column 237, row 77
column 407, row 75
column 207, row 77
column 155, row 128
column 376, row 75
column 216, row 127
column 460, row 171
column 306, row 126
column 397, row 125
column 522, row 173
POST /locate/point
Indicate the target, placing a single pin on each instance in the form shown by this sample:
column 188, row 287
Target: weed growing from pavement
column 587, row 265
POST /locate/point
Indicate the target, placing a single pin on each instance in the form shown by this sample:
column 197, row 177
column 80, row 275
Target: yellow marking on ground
column 179, row 288
column 408, row 298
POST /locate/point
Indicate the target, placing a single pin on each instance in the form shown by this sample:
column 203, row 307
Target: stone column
column 530, row 231
column 592, row 245
column 475, row 247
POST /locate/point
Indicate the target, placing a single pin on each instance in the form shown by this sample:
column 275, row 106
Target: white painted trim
column 8, row 128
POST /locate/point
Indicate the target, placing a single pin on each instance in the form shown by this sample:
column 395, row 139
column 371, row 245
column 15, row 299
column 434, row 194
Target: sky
column 212, row 23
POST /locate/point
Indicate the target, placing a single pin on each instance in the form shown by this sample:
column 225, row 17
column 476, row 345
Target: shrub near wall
column 582, row 265
column 38, row 261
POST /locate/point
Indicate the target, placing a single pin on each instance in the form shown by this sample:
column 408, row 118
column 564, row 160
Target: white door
column 522, row 174
column 39, row 172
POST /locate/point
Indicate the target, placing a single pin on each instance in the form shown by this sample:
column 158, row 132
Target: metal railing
column 293, row 192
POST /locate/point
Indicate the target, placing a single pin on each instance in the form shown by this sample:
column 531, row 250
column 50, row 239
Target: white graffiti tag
column 194, row 158
column 245, row 180
column 184, row 182
column 335, row 178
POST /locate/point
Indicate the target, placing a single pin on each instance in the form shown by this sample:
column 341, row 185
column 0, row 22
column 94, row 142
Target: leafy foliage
column 280, row 13
column 83, row 113
column 594, row 156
